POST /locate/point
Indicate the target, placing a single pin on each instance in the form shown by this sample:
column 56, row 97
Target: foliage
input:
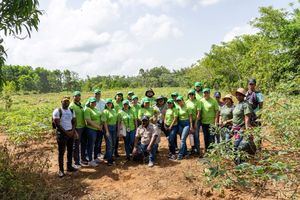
column 277, row 164
column 15, row 17
column 271, row 56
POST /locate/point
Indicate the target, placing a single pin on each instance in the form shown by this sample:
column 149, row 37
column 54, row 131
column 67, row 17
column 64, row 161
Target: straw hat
column 227, row 96
column 241, row 91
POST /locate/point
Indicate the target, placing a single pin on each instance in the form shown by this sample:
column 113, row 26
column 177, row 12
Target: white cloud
column 238, row 31
column 168, row 3
column 151, row 27
column 208, row 2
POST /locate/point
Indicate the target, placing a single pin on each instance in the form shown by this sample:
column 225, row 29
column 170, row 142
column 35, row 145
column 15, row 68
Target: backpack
column 60, row 114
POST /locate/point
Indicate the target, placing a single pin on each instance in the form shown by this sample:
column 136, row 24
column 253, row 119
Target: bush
column 277, row 165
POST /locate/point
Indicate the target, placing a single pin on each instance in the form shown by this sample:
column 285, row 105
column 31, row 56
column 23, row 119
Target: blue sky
column 102, row 37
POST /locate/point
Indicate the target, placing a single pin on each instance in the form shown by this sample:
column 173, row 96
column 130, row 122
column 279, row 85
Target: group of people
column 81, row 128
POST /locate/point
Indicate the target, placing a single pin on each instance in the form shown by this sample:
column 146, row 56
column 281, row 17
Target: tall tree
column 15, row 17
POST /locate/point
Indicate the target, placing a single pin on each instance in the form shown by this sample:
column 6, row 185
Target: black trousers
column 64, row 142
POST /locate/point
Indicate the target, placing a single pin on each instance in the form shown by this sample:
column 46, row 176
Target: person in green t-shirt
column 185, row 125
column 150, row 95
column 135, row 106
column 130, row 94
column 209, row 116
column 174, row 96
column 225, row 120
column 147, row 110
column 118, row 101
column 171, row 127
column 195, row 106
column 127, row 124
column 110, row 118
column 198, row 89
column 80, row 140
column 92, row 117
column 241, row 121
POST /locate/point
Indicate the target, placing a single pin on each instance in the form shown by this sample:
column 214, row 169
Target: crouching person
column 64, row 122
column 146, row 141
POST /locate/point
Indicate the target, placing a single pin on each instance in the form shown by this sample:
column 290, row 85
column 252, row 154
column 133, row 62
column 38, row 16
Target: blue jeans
column 208, row 138
column 113, row 136
column 80, row 146
column 152, row 153
column 91, row 144
column 129, row 142
column 197, row 137
column 184, row 129
column 172, row 139
column 108, row 149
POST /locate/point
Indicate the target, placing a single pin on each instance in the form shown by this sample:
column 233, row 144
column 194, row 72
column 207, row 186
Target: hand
column 70, row 134
column 107, row 134
column 99, row 128
column 149, row 148
column 192, row 130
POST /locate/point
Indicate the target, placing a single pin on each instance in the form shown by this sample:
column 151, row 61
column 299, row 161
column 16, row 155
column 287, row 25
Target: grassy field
column 30, row 115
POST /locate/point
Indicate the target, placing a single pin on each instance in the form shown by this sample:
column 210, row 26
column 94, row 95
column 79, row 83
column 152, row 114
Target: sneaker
column 71, row 169
column 172, row 157
column 77, row 166
column 93, row 164
column 179, row 158
column 61, row 174
column 109, row 164
column 97, row 160
column 84, row 163
column 151, row 164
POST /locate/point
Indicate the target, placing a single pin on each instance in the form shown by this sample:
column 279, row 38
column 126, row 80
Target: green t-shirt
column 117, row 106
column 184, row 113
column 176, row 104
column 135, row 109
column 110, row 116
column 209, row 110
column 226, row 112
column 128, row 118
column 239, row 112
column 146, row 111
column 199, row 96
column 92, row 114
column 194, row 106
column 79, row 113
column 171, row 114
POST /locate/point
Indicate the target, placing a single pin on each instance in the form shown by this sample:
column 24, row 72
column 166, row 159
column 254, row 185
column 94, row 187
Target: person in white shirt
column 64, row 122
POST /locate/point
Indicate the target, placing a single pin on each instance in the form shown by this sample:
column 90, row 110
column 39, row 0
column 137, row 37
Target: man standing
column 100, row 102
column 80, row 141
column 64, row 122
column 255, row 98
column 148, row 133
column 198, row 89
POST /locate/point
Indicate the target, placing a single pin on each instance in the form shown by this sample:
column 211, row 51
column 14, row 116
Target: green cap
column 130, row 93
column 206, row 90
column 146, row 100
column 97, row 91
column 125, row 102
column 174, row 94
column 119, row 93
column 192, row 91
column 198, row 84
column 179, row 98
column 76, row 93
column 134, row 97
column 92, row 100
column 170, row 101
column 108, row 100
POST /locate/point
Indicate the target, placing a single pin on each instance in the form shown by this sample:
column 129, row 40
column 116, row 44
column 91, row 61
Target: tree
column 26, row 83
column 15, row 17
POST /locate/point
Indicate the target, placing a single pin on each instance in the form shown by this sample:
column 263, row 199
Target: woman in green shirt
column 146, row 110
column 171, row 127
column 118, row 101
column 135, row 106
column 226, row 115
column 209, row 116
column 110, row 119
column 185, row 125
column 194, row 105
column 127, row 121
column 92, row 117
